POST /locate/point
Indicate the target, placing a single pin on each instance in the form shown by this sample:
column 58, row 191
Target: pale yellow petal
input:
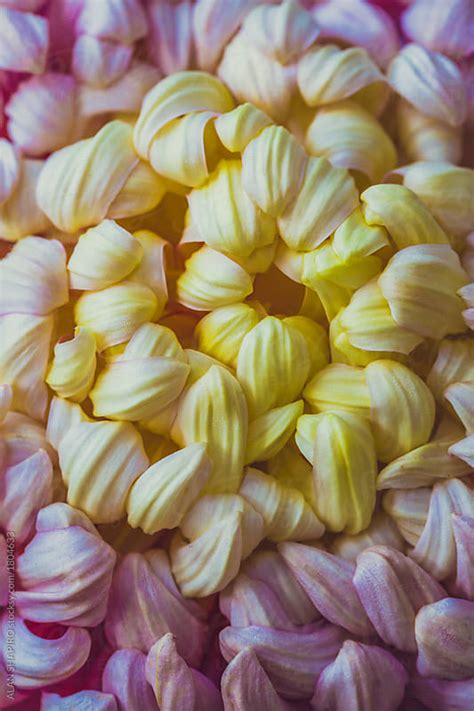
column 292, row 470
column 152, row 268
column 454, row 363
column 221, row 332
column 21, row 214
column 339, row 387
column 316, row 338
column 461, row 397
column 355, row 239
column 270, row 432
column 142, row 191
column 324, row 263
column 238, row 127
column 425, row 138
column 72, row 371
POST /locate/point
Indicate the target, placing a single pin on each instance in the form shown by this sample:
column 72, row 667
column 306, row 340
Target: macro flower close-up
column 236, row 355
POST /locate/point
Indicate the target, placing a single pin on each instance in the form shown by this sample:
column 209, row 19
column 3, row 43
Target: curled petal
column 354, row 238
column 72, row 371
column 40, row 662
column 175, row 96
column 125, row 94
column 447, row 27
column 238, row 127
column 424, row 138
column 454, row 363
column 162, row 495
column 292, row 660
column 444, row 636
column 271, row 431
column 392, row 588
column 463, row 530
column 382, row 531
column 327, row 580
column 350, row 137
column 170, row 34
column 25, row 340
column 356, row 679
column 78, row 183
column 431, row 82
column 339, row 387
column 80, row 701
column 23, row 41
column 213, row 410
column 152, row 268
column 124, row 678
column 114, row 313
column 464, row 450
column 409, row 509
column 124, row 22
column 327, row 74
column 246, row 685
column 402, row 213
column 221, row 332
column 211, row 280
column 435, row 550
column 461, row 397
column 33, row 276
column 42, row 113
column 99, row 462
column 286, row 354
column 326, row 197
column 10, row 168
column 285, row 513
column 324, row 265
column 420, row 284
column 145, row 604
column 99, row 62
column 62, row 416
column 222, row 196
column 20, row 215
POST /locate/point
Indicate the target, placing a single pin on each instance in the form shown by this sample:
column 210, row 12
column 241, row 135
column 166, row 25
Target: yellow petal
column 162, row 422
column 78, row 183
column 355, row 239
column 214, row 410
column 292, row 470
column 25, row 341
column 328, row 74
column 326, row 197
column 103, row 255
column 142, row 191
column 259, row 261
column 454, row 363
column 461, row 397
column 381, row 532
column 316, row 338
column 425, row 138
column 345, row 467
column 181, row 150
column 270, row 432
column 402, row 409
column 153, row 339
column 221, row 332
column 72, row 371
column 339, row 387
column 273, row 165
column 273, row 365
column 152, row 268
column 420, row 285
column 331, row 296
column 20, row 214
column 285, row 513
column 324, row 263
column 211, row 280
column 405, row 217
column 224, row 215
column 99, row 463
column 409, row 509
column 113, row 314
column 238, row 127
column 63, row 415
column 446, row 190
column 161, row 496
column 350, row 137
column 177, row 95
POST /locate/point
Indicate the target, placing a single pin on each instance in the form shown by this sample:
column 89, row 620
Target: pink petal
column 124, row 677
column 100, row 62
column 249, row 602
column 443, row 695
column 82, row 701
column 23, row 41
column 9, row 168
column 463, row 530
column 246, row 686
column 446, row 27
column 23, row 437
column 5, row 549
column 170, row 34
column 121, row 22
column 124, row 95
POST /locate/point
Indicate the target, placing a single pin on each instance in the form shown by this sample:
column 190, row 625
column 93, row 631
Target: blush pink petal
column 463, row 530
column 100, row 62
column 9, row 168
column 23, row 41
column 62, row 17
column 24, row 489
column 123, row 95
column 3, row 567
column 40, row 662
column 145, row 604
column 124, row 677
column 446, row 27
column 82, row 701
column 443, row 695
column 23, row 437
column 121, row 22
column 170, row 34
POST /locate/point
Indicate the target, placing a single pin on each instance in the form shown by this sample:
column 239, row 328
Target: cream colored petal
column 431, row 82
column 99, row 462
column 162, row 422
column 78, row 183
column 221, row 332
column 142, row 191
column 316, row 338
column 72, row 371
column 238, row 127
column 286, row 514
column 425, row 138
column 350, row 137
column 10, row 167
column 125, row 95
column 333, row 297
column 420, row 285
column 273, row 165
column 33, row 277
column 400, row 211
column 326, row 197
column 289, row 262
column 152, row 268
column 161, row 496
column 20, row 215
column 25, row 340
column 113, row 314
column 211, row 280
column 153, row 339
column 327, row 74
column 214, row 410
column 254, row 77
column 181, row 149
column 461, row 397
column 6, row 397
column 394, row 389
column 175, row 96
column 62, row 416
column 381, row 532
column 454, row 363
column 271, row 431
column 259, row 261
column 464, row 450
column 354, row 238
column 280, row 31
column 409, row 509
column 273, row 365
column 225, row 216
column 104, row 255
column 339, row 387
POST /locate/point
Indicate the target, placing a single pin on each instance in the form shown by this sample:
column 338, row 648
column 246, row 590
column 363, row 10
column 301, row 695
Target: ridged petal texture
column 238, row 127
column 72, row 370
column 339, row 387
column 454, row 363
column 408, row 508
column 124, row 678
column 170, row 35
column 23, row 41
column 20, row 215
column 221, row 332
column 80, row 701
column 10, row 166
column 245, row 685
column 382, row 531
column 269, row 432
column 424, row 138
column 463, row 530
